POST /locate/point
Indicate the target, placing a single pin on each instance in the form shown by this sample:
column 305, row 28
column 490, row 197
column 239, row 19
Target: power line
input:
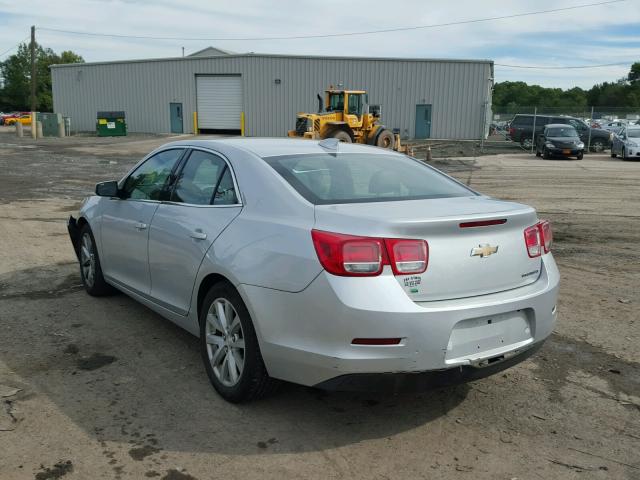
column 15, row 46
column 330, row 35
column 550, row 67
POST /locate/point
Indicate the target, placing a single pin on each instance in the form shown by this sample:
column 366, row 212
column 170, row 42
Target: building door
column 423, row 121
column 175, row 110
column 219, row 101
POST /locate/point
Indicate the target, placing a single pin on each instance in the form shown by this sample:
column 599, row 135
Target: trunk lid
column 459, row 265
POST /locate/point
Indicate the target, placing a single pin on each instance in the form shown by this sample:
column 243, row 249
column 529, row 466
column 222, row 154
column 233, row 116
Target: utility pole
column 33, row 68
column 183, row 51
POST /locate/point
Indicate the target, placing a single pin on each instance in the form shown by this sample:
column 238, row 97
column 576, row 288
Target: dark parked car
column 559, row 140
column 521, row 130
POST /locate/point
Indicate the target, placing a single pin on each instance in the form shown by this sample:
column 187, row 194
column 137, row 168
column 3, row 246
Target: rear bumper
column 305, row 337
column 422, row 381
column 74, row 234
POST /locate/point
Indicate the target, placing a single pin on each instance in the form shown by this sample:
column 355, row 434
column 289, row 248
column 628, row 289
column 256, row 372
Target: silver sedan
column 626, row 143
column 339, row 266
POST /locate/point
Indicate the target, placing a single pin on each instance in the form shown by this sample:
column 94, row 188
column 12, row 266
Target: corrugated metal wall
column 458, row 91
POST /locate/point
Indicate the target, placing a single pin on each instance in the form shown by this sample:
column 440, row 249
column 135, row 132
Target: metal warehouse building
column 421, row 98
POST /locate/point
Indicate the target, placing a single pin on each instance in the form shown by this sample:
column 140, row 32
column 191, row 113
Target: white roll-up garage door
column 219, row 102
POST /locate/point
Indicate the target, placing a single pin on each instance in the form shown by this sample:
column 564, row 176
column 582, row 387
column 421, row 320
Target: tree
column 634, row 73
column 16, row 73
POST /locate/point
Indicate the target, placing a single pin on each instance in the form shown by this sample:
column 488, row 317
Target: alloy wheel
column 87, row 260
column 225, row 342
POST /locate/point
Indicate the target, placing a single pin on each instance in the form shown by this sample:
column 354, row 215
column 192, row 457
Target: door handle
column 198, row 235
column 141, row 226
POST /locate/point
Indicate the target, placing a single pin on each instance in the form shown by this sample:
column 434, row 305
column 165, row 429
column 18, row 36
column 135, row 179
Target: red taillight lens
column 349, row 255
column 546, row 235
column 407, row 256
column 532, row 240
column 538, row 238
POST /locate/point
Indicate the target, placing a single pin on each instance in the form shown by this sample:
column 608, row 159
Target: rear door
column 125, row 221
column 203, row 201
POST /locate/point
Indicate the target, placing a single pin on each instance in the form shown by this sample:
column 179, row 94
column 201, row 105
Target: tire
column 545, row 154
column 623, row 154
column 230, row 351
column 580, row 156
column 525, row 142
column 598, row 145
column 342, row 136
column 386, row 140
column 90, row 267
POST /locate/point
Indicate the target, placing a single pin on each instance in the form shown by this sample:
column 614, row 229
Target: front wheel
column 229, row 347
column 580, row 156
column 90, row 267
column 385, row 140
column 545, row 154
column 623, row 154
column 526, row 143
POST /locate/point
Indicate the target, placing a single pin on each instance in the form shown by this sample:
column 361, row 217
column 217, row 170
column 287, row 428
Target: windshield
column 360, row 178
column 561, row 132
column 336, row 102
column 633, row 133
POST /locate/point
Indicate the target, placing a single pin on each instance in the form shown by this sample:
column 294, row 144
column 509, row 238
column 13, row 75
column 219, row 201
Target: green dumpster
column 111, row 124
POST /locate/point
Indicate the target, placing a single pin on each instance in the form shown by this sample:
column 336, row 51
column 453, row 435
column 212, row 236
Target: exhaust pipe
column 320, row 104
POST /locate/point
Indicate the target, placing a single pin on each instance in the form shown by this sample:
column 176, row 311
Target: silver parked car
column 333, row 265
column 626, row 143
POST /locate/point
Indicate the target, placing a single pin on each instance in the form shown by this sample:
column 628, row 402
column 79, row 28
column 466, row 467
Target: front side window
column 361, row 178
column 578, row 125
column 355, row 104
column 198, row 179
column 149, row 180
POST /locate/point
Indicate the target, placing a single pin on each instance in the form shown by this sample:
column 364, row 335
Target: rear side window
column 360, row 178
column 521, row 120
column 198, row 179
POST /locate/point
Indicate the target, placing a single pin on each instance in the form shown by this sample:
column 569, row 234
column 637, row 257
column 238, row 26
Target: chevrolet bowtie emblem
column 484, row 250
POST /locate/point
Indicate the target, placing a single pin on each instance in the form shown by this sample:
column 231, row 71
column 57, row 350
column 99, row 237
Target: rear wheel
column 229, row 347
column 598, row 145
column 385, row 140
column 90, row 268
column 342, row 136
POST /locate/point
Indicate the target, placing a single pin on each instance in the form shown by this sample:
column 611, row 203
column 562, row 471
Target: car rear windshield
column 561, row 132
column 360, row 178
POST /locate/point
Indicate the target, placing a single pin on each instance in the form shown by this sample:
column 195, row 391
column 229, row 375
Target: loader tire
column 386, row 140
column 342, row 136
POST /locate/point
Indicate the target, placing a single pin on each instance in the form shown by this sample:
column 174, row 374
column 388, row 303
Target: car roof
column 563, row 125
column 271, row 147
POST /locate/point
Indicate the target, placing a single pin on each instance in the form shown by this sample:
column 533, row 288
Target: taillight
column 538, row 238
column 546, row 235
column 350, row 255
column 407, row 256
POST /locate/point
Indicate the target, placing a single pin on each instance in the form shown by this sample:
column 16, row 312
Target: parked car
column 327, row 264
column 559, row 140
column 521, row 130
column 626, row 143
column 23, row 119
column 5, row 116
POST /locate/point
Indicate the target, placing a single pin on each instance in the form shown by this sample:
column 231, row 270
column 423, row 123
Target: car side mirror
column 107, row 189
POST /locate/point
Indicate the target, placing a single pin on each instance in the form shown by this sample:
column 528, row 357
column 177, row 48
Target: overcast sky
column 595, row 35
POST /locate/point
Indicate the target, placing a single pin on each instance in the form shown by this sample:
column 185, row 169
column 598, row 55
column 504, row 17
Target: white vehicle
column 626, row 143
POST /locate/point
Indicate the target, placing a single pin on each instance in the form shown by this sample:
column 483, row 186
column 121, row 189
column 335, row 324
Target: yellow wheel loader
column 347, row 116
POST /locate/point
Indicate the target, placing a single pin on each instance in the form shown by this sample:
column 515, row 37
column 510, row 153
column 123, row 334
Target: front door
column 203, row 202
column 126, row 221
column 175, row 110
column 423, row 121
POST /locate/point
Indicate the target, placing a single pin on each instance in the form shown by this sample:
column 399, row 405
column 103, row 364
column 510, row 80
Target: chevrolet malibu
column 334, row 265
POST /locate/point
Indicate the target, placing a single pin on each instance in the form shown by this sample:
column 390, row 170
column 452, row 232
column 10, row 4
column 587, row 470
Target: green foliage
column 16, row 74
column 509, row 97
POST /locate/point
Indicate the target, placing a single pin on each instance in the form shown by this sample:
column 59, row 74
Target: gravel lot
column 104, row 388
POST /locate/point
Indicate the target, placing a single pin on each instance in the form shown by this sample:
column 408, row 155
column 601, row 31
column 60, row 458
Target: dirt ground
column 102, row 388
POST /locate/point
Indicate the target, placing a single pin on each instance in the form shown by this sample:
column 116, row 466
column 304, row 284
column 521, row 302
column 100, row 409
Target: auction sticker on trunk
column 413, row 283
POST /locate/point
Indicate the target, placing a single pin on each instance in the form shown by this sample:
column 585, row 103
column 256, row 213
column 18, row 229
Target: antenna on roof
column 329, row 143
